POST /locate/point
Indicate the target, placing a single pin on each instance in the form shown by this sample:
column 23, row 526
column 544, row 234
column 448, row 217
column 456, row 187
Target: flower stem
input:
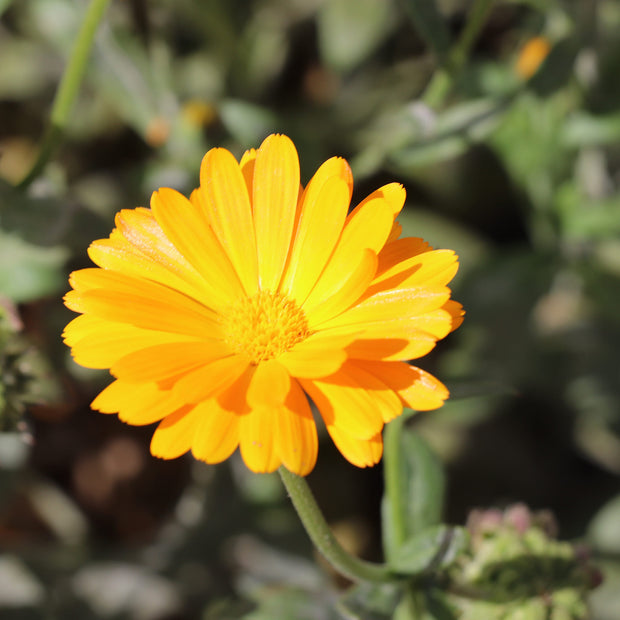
column 68, row 88
column 392, row 483
column 323, row 538
column 442, row 80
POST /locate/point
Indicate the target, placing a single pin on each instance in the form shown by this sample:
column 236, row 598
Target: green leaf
column 350, row 30
column 415, row 485
column 433, row 549
column 368, row 601
column 429, row 24
column 28, row 272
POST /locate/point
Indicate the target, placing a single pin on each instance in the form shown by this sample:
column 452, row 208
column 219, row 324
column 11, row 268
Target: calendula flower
column 531, row 57
column 221, row 315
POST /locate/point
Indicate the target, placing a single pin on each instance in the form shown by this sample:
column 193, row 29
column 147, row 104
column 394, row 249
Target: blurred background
column 502, row 120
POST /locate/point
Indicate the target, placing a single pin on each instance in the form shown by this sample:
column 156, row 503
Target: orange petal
column 367, row 228
column 393, row 194
column 136, row 404
column 418, row 389
column 162, row 361
column 257, row 433
column 392, row 305
column 296, row 438
column 323, row 211
column 210, row 380
column 186, row 225
column 119, row 298
column 174, row 435
column 359, row 452
column 274, row 202
column 217, row 432
column 432, row 269
column 353, row 283
column 269, row 386
column 353, row 402
column 230, row 214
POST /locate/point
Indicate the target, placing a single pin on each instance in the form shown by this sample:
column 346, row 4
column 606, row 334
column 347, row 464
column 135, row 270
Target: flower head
column 221, row 315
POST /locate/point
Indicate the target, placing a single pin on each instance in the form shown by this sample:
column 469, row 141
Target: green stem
column 392, row 482
column 68, row 87
column 323, row 538
column 440, row 84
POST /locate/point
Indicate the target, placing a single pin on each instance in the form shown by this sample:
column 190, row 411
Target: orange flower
column 220, row 315
column 531, row 56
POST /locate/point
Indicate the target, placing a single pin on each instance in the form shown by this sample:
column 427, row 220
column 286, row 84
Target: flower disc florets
column 265, row 326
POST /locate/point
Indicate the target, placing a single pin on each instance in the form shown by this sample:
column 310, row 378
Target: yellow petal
column 398, row 250
column 186, row 225
column 97, row 343
column 257, row 432
column 353, row 400
column 392, row 305
column 431, row 269
column 455, row 309
column 319, row 355
column 367, row 228
column 269, row 386
column 248, row 160
column 208, row 381
column 119, row 298
column 353, row 284
column 136, row 404
column 392, row 340
column 418, row 389
column 217, row 432
column 118, row 254
column 174, row 435
column 323, row 212
column 274, row 201
column 393, row 194
column 359, row 452
column 229, row 212
column 296, row 438
column 162, row 361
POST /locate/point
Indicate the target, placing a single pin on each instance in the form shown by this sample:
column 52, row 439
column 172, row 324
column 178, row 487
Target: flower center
column 265, row 326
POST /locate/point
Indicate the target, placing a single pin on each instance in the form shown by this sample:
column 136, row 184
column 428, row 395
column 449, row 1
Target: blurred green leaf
column 29, row 272
column 248, row 123
column 349, row 30
column 370, row 601
column 585, row 129
column 4, row 5
column 432, row 549
column 556, row 69
column 421, row 493
column 429, row 23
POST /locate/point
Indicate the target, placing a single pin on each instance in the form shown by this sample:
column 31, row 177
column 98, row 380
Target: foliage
column 518, row 173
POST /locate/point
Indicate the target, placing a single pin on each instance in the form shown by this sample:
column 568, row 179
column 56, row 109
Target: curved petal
column 137, row 405
column 229, row 212
column 367, row 228
column 324, row 207
column 257, row 433
column 274, row 201
column 269, row 386
column 187, row 227
column 163, row 361
column 208, row 381
column 296, row 439
column 418, row 389
column 353, row 400
column 353, row 283
column 123, row 299
column 359, row 452
column 97, row 343
column 174, row 435
column 432, row 269
column 217, row 432
column 391, row 305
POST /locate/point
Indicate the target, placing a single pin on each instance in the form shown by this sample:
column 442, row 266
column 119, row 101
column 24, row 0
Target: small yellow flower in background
column 220, row 315
column 531, row 56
